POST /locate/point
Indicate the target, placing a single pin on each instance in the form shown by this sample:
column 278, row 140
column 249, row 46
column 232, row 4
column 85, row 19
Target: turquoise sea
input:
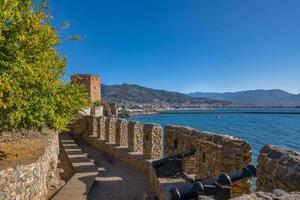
column 280, row 127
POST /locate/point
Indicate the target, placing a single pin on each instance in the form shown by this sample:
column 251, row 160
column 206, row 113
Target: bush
column 32, row 94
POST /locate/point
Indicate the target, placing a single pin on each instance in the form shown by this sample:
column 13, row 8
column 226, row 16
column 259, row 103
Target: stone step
column 81, row 182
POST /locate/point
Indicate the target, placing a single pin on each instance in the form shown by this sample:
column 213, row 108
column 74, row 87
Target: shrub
column 32, row 93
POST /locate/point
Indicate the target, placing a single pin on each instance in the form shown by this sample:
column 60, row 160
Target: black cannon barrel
column 180, row 156
column 191, row 190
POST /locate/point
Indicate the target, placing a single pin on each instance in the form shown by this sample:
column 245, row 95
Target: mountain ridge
column 272, row 97
column 136, row 94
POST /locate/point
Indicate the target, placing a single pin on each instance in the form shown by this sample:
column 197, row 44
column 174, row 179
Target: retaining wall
column 31, row 182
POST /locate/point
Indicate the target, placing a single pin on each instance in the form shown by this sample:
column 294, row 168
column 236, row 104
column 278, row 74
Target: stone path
column 79, row 185
column 116, row 180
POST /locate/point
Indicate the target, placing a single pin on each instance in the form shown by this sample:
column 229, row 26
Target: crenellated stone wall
column 32, row 181
column 152, row 141
column 92, row 125
column 137, row 145
column 110, row 129
column 135, row 137
column 278, row 168
column 101, row 128
column 214, row 155
column 122, row 132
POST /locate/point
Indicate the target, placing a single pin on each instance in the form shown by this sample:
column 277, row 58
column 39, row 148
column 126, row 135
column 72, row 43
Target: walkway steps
column 81, row 182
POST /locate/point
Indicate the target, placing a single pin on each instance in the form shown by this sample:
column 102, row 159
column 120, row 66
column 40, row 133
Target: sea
column 259, row 126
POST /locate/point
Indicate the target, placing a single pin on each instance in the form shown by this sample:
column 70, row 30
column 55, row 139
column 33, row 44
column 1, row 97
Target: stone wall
column 101, row 128
column 274, row 195
column 214, row 155
column 31, row 182
column 110, row 129
column 278, row 168
column 138, row 145
column 122, row 132
column 135, row 137
column 152, row 141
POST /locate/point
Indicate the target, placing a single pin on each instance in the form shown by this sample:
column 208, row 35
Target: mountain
column 135, row 94
column 274, row 97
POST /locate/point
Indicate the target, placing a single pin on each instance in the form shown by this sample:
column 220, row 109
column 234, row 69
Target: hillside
column 274, row 97
column 135, row 94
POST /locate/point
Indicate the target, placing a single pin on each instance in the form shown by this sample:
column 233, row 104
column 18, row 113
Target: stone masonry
column 278, row 168
column 152, row 141
column 178, row 140
column 274, row 195
column 110, row 129
column 92, row 84
column 32, row 181
column 122, row 132
column 92, row 125
column 135, row 137
column 215, row 154
column 101, row 128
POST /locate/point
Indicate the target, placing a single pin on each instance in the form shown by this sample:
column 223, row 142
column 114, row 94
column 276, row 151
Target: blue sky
column 184, row 45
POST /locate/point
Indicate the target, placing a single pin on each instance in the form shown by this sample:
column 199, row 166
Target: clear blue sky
column 184, row 45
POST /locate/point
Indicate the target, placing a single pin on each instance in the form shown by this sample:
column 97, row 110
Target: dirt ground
column 25, row 148
column 21, row 148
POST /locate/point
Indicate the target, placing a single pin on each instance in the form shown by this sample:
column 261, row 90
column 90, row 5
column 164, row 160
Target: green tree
column 32, row 93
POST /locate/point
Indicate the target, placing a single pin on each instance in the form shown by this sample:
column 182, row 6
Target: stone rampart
column 278, row 168
column 152, row 141
column 135, row 137
column 214, row 155
column 110, row 129
column 122, row 132
column 137, row 145
column 32, row 181
column 101, row 128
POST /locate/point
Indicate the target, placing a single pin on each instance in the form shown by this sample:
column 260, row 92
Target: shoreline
column 211, row 111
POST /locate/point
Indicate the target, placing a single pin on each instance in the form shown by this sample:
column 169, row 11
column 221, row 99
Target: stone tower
column 92, row 83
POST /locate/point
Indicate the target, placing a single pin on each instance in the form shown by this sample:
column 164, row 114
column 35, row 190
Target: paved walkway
column 116, row 181
column 80, row 183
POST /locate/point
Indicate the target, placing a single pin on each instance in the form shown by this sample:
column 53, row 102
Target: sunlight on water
column 258, row 129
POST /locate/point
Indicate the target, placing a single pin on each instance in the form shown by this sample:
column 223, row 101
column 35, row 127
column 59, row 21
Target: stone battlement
column 92, row 84
column 137, row 145
column 84, row 75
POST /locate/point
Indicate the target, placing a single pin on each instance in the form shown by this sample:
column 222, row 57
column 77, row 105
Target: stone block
column 135, row 137
column 122, row 132
column 110, row 129
column 91, row 125
column 278, row 168
column 101, row 128
column 152, row 141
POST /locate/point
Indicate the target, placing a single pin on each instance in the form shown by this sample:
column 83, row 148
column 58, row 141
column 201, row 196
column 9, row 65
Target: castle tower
column 92, row 83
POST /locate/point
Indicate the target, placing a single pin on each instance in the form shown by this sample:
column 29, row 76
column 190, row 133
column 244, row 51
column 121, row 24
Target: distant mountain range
column 274, row 97
column 135, row 94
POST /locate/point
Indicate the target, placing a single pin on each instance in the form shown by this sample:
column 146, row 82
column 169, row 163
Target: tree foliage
column 32, row 93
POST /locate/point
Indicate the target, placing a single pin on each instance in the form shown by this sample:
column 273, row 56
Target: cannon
column 170, row 166
column 218, row 187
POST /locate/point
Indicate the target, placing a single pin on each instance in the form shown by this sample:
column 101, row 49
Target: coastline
column 219, row 111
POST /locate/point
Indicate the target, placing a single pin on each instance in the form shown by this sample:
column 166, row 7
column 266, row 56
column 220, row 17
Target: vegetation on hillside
column 128, row 94
column 32, row 94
